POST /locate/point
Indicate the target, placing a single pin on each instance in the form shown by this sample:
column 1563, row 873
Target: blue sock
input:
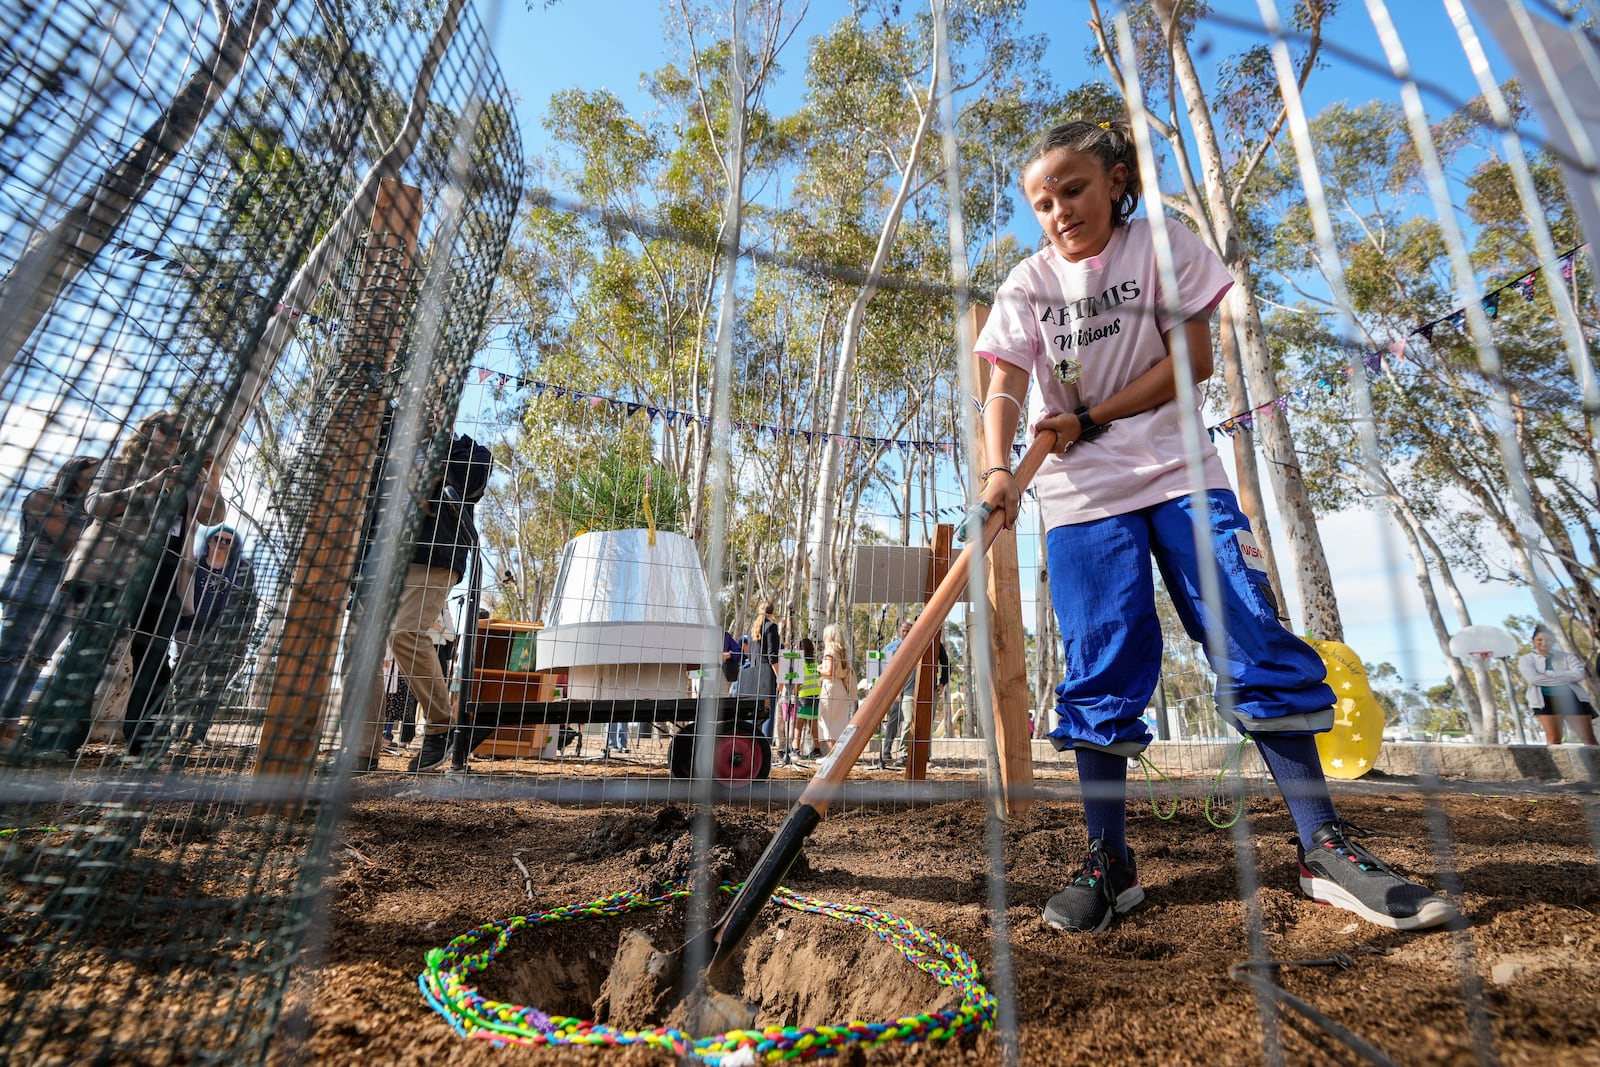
column 1104, row 778
column 1295, row 766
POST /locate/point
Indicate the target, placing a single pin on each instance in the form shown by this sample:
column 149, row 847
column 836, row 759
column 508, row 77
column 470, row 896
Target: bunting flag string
column 1526, row 285
column 173, row 265
column 500, row 380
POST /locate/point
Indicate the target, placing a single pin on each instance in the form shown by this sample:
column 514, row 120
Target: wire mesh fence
column 233, row 248
column 251, row 305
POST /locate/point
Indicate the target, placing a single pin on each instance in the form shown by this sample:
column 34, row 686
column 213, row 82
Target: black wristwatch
column 1088, row 429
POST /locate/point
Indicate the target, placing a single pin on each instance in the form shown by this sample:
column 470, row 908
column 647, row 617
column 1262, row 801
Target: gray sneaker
column 1103, row 889
column 1339, row 872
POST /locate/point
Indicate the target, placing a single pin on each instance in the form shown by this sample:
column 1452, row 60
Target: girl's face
column 166, row 437
column 1071, row 195
column 1541, row 644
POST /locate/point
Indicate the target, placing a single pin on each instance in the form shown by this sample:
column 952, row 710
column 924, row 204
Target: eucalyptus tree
column 870, row 160
column 1439, row 467
column 1234, row 129
column 58, row 253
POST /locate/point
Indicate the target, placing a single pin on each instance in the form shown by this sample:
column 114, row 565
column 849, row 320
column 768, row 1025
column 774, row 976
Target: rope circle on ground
column 446, row 984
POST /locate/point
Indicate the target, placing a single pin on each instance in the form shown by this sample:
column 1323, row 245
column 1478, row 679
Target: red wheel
column 739, row 759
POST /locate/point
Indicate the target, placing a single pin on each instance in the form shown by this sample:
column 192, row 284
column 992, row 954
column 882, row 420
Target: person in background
column 758, row 671
column 837, row 700
column 129, row 578
column 1555, row 690
column 213, row 636
column 446, row 540
column 808, row 697
column 399, row 706
column 903, row 707
column 51, row 521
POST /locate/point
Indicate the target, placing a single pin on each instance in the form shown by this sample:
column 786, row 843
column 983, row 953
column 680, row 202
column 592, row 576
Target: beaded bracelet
column 984, row 477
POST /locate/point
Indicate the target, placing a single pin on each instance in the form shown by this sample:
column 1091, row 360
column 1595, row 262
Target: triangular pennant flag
column 1491, row 304
column 483, row 374
column 1566, row 266
column 1426, row 331
column 1397, row 349
column 1529, row 286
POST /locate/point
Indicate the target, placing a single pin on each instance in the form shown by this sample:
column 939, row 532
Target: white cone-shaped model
column 629, row 619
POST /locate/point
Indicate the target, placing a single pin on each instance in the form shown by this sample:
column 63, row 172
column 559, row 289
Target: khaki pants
column 421, row 601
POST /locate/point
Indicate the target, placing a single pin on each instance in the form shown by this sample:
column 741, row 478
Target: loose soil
column 412, row 874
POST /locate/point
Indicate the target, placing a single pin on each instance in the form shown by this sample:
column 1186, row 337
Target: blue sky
column 610, row 43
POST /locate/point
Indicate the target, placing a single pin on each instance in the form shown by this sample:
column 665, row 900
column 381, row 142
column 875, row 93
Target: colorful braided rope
column 446, row 985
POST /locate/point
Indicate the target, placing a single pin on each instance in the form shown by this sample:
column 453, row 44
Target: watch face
column 1068, row 371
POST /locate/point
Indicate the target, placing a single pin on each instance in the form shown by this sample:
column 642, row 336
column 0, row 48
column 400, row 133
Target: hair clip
column 1105, row 125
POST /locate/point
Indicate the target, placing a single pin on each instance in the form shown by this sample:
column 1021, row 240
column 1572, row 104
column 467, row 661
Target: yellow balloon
column 1351, row 747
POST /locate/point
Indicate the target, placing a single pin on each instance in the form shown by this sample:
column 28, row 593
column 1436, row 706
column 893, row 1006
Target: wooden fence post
column 350, row 417
column 919, row 743
column 1008, row 675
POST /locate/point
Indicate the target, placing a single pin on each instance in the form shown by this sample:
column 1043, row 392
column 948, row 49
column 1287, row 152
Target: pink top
column 1084, row 330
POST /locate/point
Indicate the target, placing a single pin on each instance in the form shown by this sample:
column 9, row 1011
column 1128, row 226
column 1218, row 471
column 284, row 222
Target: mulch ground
column 1521, row 984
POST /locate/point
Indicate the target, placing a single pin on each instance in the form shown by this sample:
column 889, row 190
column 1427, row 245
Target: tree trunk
column 1470, row 696
column 822, row 519
column 1319, row 606
column 1244, row 455
column 55, row 257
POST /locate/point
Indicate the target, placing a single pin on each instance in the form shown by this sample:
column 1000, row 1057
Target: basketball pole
column 1511, row 695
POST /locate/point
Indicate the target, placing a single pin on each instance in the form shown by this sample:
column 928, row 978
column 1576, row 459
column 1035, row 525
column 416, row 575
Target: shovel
column 717, row 944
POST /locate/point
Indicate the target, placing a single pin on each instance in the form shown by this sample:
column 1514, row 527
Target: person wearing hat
column 212, row 637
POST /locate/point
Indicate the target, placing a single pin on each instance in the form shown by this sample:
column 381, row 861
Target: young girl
column 1085, row 317
column 838, row 700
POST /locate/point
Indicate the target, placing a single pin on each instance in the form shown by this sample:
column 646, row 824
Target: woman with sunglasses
column 129, row 579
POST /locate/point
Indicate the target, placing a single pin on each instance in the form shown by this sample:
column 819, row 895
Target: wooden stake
column 350, row 412
column 1008, row 675
column 919, row 744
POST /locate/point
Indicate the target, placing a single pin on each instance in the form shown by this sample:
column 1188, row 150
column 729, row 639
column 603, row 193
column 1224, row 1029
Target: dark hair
column 137, row 446
column 1109, row 142
column 66, row 487
column 807, row 648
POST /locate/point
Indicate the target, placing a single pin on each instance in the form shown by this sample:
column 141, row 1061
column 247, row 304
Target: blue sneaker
column 1103, row 889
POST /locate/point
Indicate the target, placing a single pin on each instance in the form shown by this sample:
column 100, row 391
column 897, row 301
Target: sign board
column 894, row 574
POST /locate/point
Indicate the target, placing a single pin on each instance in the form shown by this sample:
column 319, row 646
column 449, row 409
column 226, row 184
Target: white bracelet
column 1005, row 396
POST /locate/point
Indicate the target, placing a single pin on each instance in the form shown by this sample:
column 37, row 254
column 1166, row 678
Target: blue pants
column 1104, row 594
column 34, row 625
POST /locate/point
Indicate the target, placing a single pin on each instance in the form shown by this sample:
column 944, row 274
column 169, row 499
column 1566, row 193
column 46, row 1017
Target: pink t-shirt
column 1084, row 330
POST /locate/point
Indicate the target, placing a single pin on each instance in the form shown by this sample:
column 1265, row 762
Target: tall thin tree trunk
column 55, row 257
column 823, row 514
column 1244, row 453
column 1319, row 606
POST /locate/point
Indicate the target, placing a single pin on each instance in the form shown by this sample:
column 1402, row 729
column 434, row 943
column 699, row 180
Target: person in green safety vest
column 808, row 692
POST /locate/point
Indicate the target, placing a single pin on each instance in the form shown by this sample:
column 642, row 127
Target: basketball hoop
column 1478, row 645
column 1482, row 643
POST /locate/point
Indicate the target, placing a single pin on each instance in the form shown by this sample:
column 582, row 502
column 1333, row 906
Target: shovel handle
column 786, row 844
